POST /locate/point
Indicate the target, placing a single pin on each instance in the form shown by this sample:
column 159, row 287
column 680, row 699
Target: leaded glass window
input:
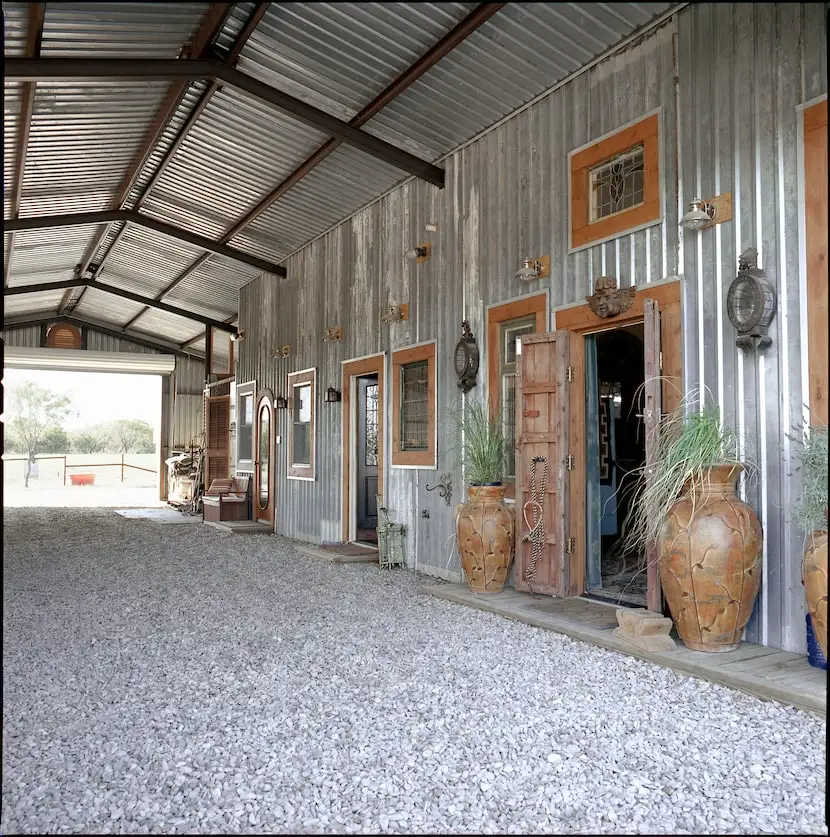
column 617, row 184
column 372, row 424
column 415, row 406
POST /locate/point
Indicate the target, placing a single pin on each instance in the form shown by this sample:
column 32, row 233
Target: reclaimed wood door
column 652, row 413
column 542, row 432
column 217, row 438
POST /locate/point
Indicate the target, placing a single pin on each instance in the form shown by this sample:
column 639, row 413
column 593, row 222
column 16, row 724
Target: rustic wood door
column 652, row 413
column 542, row 431
column 217, row 438
column 264, row 461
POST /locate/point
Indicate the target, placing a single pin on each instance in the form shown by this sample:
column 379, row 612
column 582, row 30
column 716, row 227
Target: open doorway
column 615, row 459
column 81, row 438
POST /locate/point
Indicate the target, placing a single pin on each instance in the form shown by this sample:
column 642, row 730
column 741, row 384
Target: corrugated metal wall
column 741, row 70
column 185, row 388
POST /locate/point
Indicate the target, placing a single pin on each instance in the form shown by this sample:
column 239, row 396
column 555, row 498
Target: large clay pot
column 710, row 562
column 814, row 578
column 484, row 527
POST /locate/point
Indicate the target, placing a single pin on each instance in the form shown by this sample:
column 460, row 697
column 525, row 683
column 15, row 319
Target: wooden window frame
column 496, row 315
column 581, row 232
column 427, row 459
column 243, row 390
column 215, row 368
column 302, row 472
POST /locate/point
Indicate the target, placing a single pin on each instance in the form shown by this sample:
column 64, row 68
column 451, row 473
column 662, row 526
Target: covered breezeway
column 178, row 679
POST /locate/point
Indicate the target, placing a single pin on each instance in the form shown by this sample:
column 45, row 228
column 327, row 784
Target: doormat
column 349, row 549
column 162, row 515
column 581, row 611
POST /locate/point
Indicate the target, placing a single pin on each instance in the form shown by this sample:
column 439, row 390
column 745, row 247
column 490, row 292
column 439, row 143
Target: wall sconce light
column 533, row 269
column 333, row 334
column 332, row 395
column 240, row 335
column 282, row 402
column 282, row 351
column 701, row 214
column 395, row 313
column 419, row 253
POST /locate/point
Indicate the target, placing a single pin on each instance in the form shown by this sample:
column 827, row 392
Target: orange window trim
column 644, row 132
column 425, row 458
column 297, row 379
column 537, row 305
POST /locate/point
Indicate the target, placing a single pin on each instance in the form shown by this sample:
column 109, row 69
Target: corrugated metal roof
column 12, row 92
column 167, row 326
column 119, row 30
column 102, row 306
column 83, row 138
column 45, row 302
column 215, row 285
column 339, row 56
column 237, row 152
column 145, row 261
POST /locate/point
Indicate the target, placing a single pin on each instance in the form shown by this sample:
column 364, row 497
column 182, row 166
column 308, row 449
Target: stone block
column 644, row 629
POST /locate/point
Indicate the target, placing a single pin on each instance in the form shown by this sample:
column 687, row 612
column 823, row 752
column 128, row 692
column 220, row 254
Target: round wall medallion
column 466, row 359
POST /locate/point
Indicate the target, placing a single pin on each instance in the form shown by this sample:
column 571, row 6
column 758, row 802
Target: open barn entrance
column 81, row 438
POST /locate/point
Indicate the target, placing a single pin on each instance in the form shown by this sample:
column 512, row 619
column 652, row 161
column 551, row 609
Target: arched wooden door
column 264, row 482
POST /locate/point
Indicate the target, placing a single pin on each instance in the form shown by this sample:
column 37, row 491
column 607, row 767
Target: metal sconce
column 533, row 269
column 701, row 214
column 282, row 402
column 282, row 351
column 332, row 395
column 333, row 334
column 419, row 253
column 240, row 335
column 396, row 313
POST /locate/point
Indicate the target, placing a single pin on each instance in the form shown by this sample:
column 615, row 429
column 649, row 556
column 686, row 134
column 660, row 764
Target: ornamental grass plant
column 811, row 508
column 480, row 445
column 689, row 439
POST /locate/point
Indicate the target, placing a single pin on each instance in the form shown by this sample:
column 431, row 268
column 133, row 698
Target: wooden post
column 64, row 472
column 122, row 467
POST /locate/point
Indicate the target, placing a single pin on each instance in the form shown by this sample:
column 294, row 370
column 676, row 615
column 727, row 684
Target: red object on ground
column 82, row 479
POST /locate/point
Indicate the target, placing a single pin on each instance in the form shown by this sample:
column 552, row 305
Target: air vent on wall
column 63, row 336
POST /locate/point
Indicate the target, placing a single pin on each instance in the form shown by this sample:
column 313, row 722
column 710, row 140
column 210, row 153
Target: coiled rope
column 536, row 532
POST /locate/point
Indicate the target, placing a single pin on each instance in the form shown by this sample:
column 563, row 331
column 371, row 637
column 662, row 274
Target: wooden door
column 651, row 421
column 815, row 214
column 542, row 432
column 264, row 461
column 217, row 438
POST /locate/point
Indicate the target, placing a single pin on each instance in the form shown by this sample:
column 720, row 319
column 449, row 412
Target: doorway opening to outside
column 615, row 460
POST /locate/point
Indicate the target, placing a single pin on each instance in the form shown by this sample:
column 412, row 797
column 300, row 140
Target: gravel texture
column 177, row 679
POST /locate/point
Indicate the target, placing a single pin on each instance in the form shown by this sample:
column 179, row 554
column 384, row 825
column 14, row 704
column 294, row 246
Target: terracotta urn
column 484, row 527
column 710, row 561
column 814, row 579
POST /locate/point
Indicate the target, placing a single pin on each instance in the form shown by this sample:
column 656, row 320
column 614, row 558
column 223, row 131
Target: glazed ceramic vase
column 814, row 579
column 710, row 561
column 484, row 528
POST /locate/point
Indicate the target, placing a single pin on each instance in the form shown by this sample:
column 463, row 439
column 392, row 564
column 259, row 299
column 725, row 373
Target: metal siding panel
column 29, row 336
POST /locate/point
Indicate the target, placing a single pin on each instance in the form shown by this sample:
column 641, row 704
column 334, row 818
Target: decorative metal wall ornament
column 608, row 300
column 751, row 303
column 466, row 359
column 444, row 486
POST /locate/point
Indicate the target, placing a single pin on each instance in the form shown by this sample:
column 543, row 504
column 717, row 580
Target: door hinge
column 570, row 374
column 570, row 462
column 570, row 546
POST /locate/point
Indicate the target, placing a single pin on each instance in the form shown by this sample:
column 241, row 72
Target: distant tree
column 34, row 412
column 133, row 435
column 55, row 440
column 92, row 440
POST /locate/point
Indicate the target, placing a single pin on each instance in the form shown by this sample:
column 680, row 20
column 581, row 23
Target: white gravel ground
column 176, row 679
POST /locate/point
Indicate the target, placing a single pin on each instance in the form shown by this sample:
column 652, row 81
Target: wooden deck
column 764, row 672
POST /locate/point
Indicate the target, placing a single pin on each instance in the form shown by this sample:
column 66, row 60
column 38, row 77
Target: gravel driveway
column 162, row 678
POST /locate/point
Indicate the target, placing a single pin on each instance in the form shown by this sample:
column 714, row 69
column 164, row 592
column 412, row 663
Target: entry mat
column 350, row 549
column 160, row 515
column 584, row 612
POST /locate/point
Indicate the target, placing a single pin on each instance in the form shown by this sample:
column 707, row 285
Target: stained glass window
column 617, row 184
column 415, row 405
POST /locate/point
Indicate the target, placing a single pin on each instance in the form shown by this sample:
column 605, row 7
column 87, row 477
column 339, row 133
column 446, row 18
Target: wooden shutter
column 217, row 438
column 652, row 412
column 542, row 419
column 63, row 336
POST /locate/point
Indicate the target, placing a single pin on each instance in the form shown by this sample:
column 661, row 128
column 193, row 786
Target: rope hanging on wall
column 536, row 533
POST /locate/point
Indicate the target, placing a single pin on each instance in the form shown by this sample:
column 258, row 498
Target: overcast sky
column 97, row 397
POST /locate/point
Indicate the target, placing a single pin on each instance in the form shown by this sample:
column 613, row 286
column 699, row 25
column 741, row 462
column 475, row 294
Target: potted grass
column 811, row 513
column 484, row 524
column 707, row 540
